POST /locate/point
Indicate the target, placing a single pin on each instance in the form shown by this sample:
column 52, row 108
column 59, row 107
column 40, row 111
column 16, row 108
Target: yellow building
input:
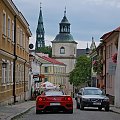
column 14, row 54
column 53, row 71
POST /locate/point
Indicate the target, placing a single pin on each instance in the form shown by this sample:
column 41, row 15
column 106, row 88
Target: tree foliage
column 46, row 50
column 82, row 71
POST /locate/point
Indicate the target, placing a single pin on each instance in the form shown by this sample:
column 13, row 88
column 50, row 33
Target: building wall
column 117, row 77
column 70, row 49
column 68, row 58
column 35, row 66
column 110, row 65
column 13, row 52
column 55, row 74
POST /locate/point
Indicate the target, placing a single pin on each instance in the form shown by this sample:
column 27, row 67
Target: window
column 62, row 50
column 4, row 22
column 23, row 40
column 46, row 69
column 74, row 50
column 21, row 43
column 3, row 74
column 6, row 72
column 12, row 31
column 111, row 49
column 17, row 74
column 46, row 79
column 38, row 43
column 26, row 44
column 20, row 73
column 18, row 31
column 11, row 72
column 8, row 27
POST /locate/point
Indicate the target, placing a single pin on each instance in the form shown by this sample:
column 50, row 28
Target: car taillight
column 68, row 98
column 41, row 99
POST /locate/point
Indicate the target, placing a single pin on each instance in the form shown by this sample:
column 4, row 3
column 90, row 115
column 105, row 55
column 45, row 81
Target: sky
column 88, row 18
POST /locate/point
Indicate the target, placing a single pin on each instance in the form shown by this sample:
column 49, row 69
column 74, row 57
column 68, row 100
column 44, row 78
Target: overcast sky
column 88, row 18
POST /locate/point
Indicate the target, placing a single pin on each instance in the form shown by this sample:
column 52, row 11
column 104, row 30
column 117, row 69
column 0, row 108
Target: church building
column 64, row 49
column 40, row 33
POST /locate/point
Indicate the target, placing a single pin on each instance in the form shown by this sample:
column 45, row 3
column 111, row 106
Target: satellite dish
column 31, row 46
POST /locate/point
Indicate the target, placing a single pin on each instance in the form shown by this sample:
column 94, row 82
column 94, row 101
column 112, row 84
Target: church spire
column 87, row 49
column 64, row 25
column 40, row 32
column 65, row 11
column 93, row 46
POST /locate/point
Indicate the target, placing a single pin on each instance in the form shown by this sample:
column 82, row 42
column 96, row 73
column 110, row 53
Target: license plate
column 52, row 104
column 96, row 103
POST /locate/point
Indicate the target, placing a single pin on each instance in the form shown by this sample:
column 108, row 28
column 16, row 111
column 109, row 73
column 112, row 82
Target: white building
column 35, row 71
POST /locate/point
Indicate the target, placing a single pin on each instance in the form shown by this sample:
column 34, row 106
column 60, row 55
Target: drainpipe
column 41, row 71
column 24, row 82
column 105, row 67
column 54, row 74
column 14, row 60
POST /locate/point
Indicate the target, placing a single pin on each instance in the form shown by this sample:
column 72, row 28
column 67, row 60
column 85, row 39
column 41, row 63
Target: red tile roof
column 52, row 60
column 106, row 35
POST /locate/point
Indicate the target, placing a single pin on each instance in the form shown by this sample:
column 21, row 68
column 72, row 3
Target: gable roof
column 81, row 52
column 51, row 60
column 106, row 35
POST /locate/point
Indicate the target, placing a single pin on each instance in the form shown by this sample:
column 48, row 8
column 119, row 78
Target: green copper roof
column 64, row 37
column 64, row 33
column 64, row 20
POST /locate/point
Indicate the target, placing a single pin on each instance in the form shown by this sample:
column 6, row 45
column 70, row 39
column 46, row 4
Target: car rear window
column 54, row 93
column 92, row 92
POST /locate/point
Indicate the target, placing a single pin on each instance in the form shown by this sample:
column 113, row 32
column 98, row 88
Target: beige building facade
column 14, row 54
column 64, row 49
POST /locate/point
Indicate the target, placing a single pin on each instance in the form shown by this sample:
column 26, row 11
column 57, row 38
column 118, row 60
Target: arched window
column 62, row 50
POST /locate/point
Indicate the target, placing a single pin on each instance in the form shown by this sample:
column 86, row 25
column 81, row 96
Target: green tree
column 82, row 71
column 46, row 50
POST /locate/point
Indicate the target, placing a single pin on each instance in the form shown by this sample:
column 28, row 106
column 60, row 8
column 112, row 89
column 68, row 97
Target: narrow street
column 87, row 114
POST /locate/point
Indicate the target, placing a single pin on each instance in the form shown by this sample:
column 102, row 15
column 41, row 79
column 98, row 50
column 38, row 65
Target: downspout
column 105, row 67
column 41, row 71
column 54, row 73
column 14, row 60
column 24, row 82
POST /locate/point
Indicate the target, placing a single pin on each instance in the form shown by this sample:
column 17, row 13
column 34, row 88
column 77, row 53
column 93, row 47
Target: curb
column 19, row 114
column 115, row 111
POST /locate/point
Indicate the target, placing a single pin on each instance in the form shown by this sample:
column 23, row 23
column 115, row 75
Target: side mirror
column 107, row 95
column 79, row 93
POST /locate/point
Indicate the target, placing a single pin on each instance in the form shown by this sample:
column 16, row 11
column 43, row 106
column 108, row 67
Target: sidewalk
column 10, row 111
column 114, row 109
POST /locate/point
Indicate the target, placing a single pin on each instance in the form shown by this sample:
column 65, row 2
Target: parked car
column 54, row 101
column 91, row 97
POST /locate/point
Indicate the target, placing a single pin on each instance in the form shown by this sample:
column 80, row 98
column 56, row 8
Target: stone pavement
column 11, row 111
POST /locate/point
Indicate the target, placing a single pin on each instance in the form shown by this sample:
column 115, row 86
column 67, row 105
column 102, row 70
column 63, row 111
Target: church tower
column 40, row 33
column 64, row 49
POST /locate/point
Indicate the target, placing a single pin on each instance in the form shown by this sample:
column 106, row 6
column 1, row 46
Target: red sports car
column 52, row 101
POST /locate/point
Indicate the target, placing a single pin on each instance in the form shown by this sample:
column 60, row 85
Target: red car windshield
column 54, row 93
